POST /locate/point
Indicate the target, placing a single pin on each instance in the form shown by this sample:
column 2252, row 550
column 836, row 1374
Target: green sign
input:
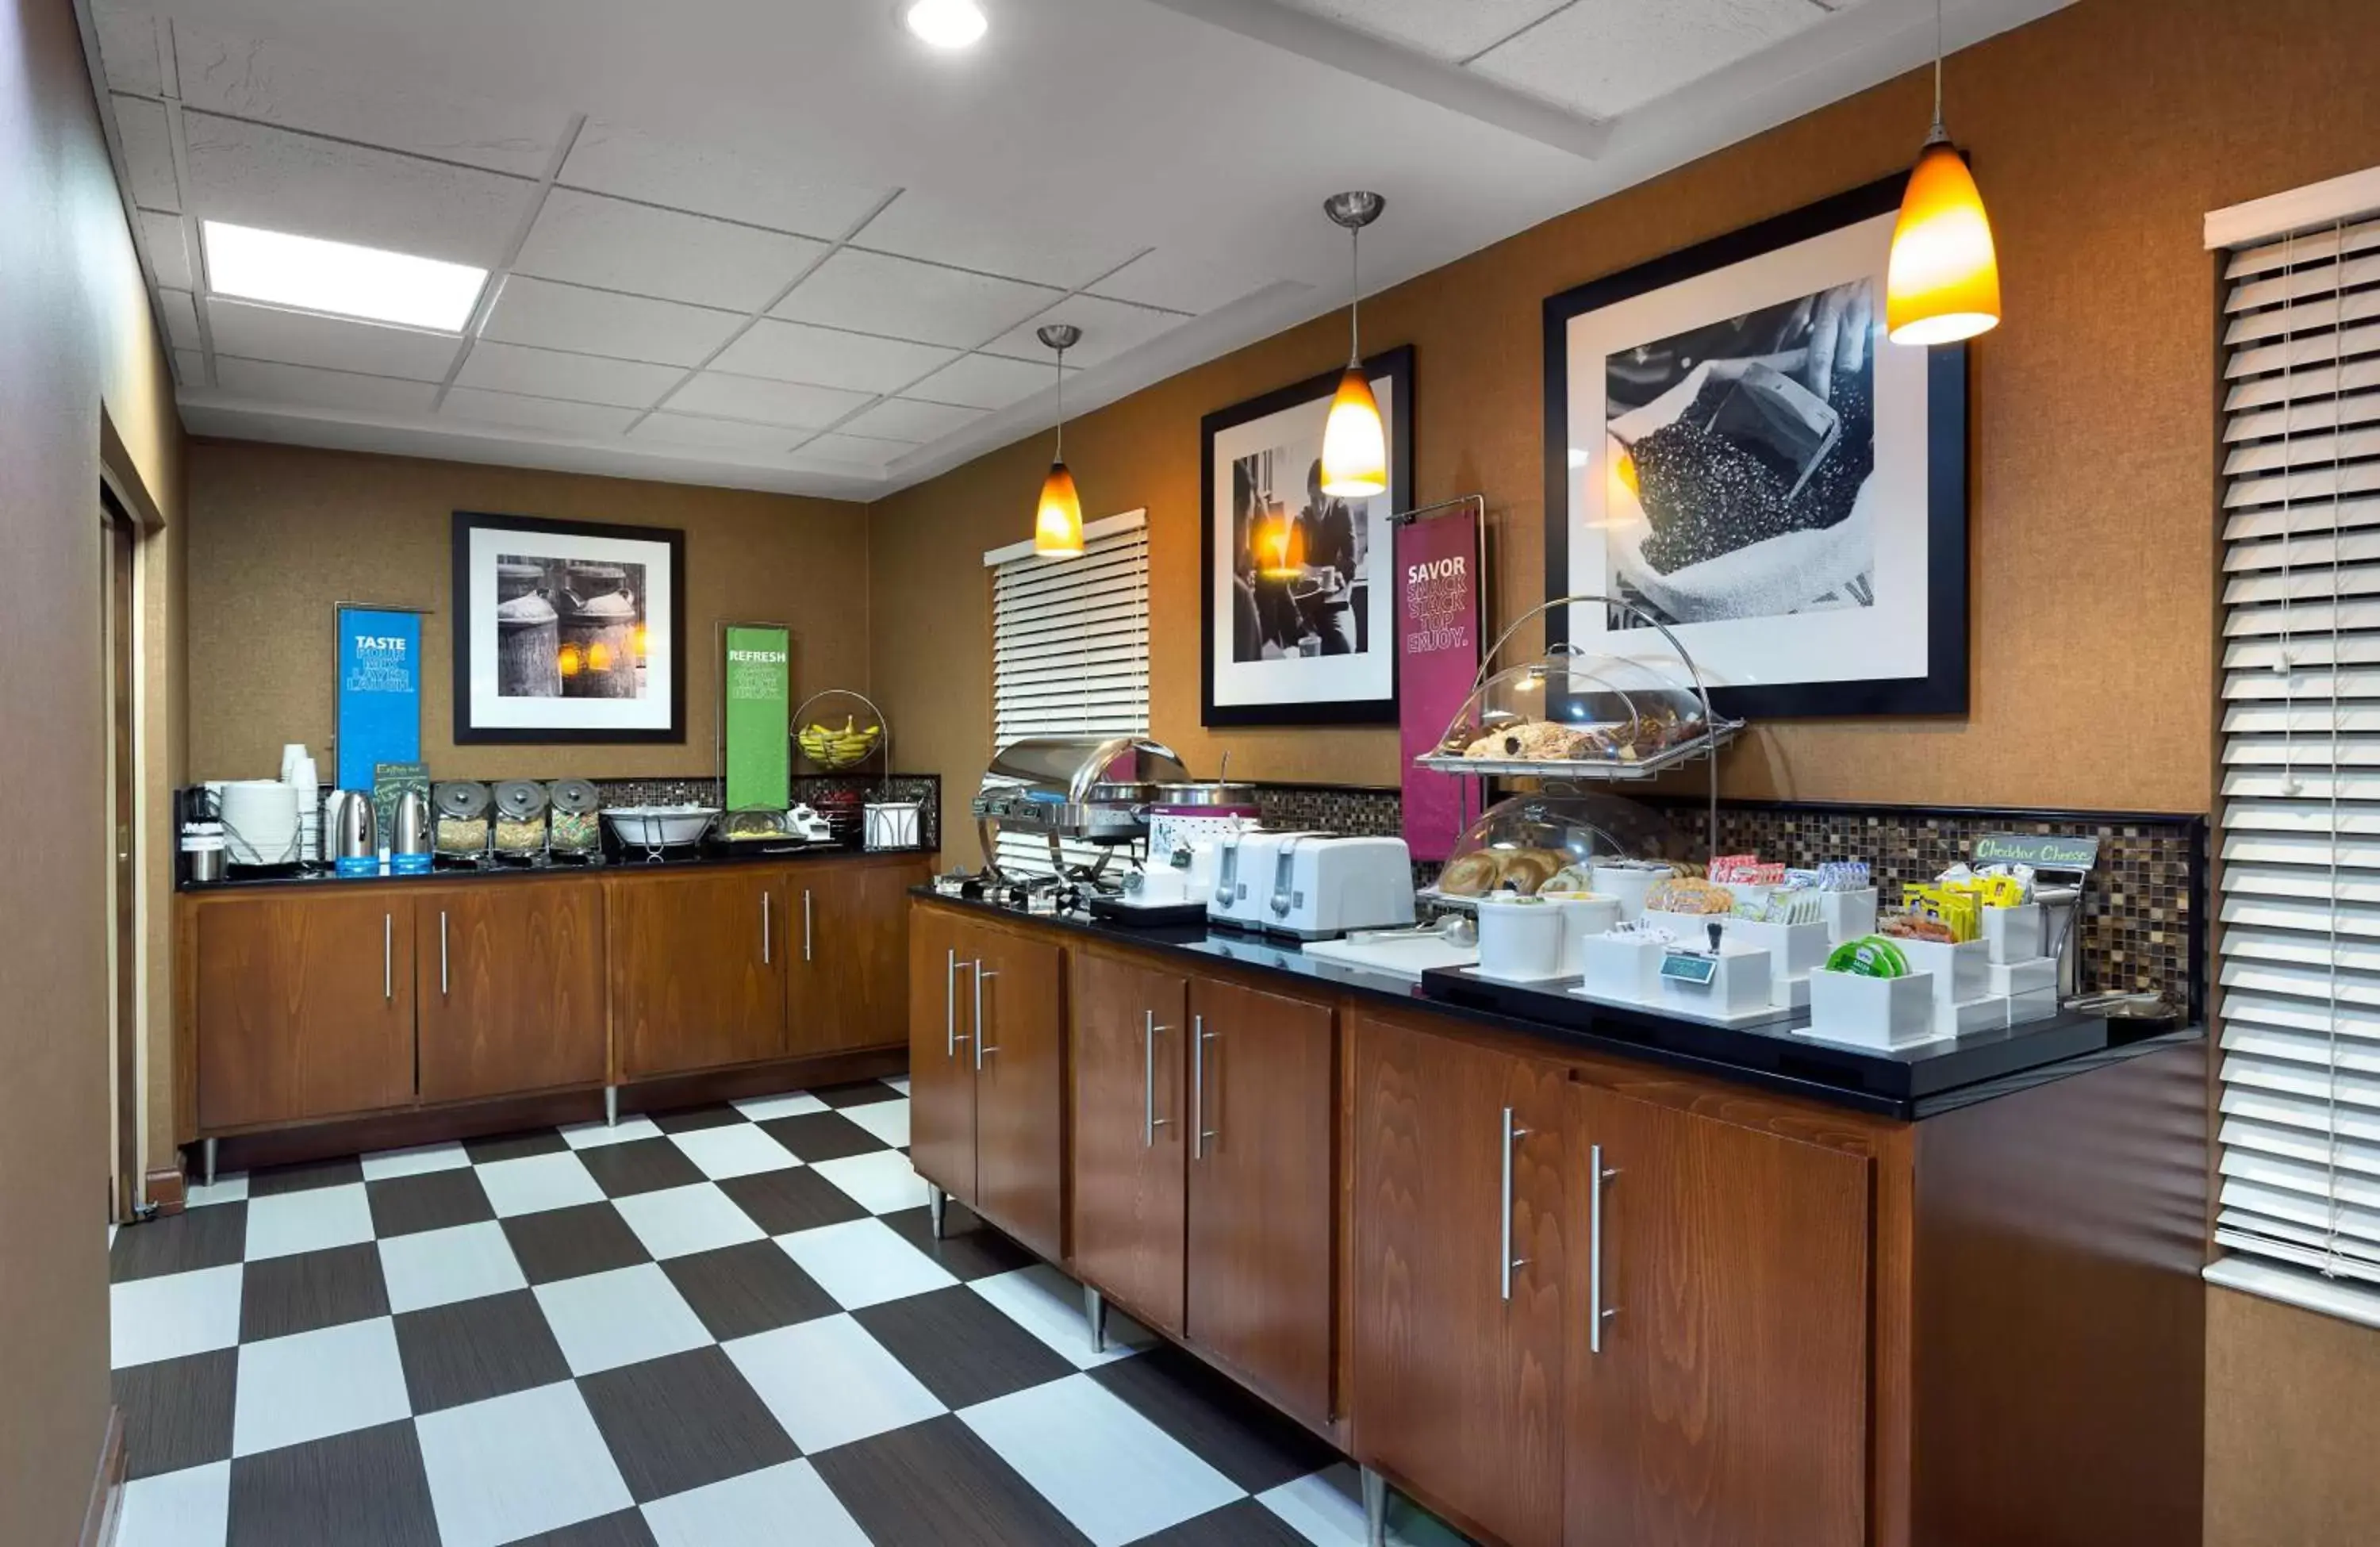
column 2041, row 852
column 756, row 703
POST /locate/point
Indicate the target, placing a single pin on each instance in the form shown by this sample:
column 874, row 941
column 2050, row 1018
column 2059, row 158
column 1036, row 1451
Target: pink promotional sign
column 1438, row 638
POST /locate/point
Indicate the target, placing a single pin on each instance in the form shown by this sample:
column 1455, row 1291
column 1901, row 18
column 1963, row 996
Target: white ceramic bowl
column 659, row 826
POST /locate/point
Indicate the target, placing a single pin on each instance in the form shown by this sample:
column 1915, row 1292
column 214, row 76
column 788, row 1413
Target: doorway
column 119, row 539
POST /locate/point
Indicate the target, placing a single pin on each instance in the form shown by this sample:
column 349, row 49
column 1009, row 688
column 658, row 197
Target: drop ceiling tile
column 613, row 244
column 582, row 420
column 181, row 315
column 904, row 298
column 554, row 373
column 986, row 381
column 857, row 451
column 190, row 368
column 128, row 50
column 270, row 383
column 1433, row 26
column 797, row 407
column 1110, row 328
column 1602, row 58
column 334, row 343
column 917, row 226
column 824, row 357
column 1181, row 282
column 168, row 254
column 902, row 418
column 587, row 322
column 258, row 78
column 256, row 174
column 148, row 152
column 719, row 435
column 610, row 159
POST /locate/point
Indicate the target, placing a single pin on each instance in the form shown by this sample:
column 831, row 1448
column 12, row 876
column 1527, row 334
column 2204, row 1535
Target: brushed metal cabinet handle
column 805, row 923
column 1506, row 1262
column 764, row 929
column 1149, row 1121
column 443, row 990
column 1199, row 1131
column 950, row 1003
column 388, row 956
column 1596, row 1313
column 979, row 1049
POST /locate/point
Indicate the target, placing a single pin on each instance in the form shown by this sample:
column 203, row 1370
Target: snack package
column 1687, row 894
column 1843, row 875
column 1871, row 956
column 1746, row 870
column 1918, row 926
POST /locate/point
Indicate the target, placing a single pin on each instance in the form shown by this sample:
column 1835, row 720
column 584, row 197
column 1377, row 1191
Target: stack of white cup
column 297, row 768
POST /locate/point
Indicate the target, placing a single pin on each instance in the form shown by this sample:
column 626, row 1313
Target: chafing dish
column 1091, row 790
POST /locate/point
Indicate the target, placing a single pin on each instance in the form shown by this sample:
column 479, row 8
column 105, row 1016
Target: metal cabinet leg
column 937, row 1201
column 1376, row 1508
column 1095, row 1312
column 207, row 1159
column 611, row 1106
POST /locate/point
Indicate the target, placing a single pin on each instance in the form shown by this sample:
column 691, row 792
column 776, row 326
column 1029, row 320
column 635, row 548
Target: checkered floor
column 710, row 1328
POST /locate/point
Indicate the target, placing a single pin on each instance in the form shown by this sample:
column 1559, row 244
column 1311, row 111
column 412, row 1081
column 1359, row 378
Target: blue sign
column 379, row 692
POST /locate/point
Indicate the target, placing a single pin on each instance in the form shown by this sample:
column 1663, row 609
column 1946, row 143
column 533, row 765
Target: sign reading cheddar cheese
column 2041, row 852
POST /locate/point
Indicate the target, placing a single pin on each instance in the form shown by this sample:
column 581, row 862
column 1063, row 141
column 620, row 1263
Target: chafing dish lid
column 1071, row 767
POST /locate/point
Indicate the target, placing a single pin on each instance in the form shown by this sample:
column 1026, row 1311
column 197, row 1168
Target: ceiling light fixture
column 945, row 23
column 1943, row 282
column 1354, row 444
column 339, row 277
column 1058, row 525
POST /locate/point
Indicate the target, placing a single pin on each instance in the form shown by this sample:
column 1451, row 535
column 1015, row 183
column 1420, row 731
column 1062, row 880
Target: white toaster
column 1314, row 885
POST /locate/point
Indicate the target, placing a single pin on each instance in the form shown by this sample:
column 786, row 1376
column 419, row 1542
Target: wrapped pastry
column 1687, row 894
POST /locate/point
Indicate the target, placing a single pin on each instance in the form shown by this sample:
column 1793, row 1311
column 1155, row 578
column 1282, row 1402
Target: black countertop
column 611, row 863
column 1912, row 1083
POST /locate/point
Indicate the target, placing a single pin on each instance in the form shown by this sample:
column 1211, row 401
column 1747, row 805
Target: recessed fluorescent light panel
column 340, row 278
column 945, row 23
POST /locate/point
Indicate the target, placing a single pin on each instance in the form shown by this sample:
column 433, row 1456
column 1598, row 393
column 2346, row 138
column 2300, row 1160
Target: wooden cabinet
column 1127, row 1032
column 509, row 984
column 1015, row 991
column 1262, row 1201
column 848, row 953
column 942, row 1054
column 1718, row 1372
column 303, row 1006
column 1458, row 1260
column 697, row 970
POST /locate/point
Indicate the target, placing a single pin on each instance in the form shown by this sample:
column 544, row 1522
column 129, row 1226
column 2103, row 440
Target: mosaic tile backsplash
column 926, row 789
column 2143, row 915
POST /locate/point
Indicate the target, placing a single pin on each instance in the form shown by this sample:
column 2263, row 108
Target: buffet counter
column 1536, row 1271
column 609, row 862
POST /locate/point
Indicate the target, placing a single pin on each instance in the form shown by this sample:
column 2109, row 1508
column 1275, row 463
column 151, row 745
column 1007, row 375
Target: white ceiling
column 780, row 244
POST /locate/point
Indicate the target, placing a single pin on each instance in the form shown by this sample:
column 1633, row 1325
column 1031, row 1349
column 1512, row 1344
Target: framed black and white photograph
column 1299, row 610
column 1734, row 446
column 567, row 631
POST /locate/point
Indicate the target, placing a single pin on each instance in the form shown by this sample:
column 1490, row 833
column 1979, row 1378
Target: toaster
column 1313, row 885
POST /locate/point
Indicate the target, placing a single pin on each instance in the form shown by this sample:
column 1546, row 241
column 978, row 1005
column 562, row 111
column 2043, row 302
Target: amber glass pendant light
column 1354, row 444
column 1058, row 525
column 1943, row 283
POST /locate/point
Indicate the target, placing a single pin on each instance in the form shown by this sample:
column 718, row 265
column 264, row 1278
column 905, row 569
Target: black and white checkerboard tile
column 705, row 1329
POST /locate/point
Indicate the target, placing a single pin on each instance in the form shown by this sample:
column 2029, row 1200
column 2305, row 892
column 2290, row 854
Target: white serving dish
column 1626, row 885
column 1620, row 967
column 2036, row 976
column 1986, row 1012
column 1961, row 972
column 1794, row 952
column 2014, row 934
column 1519, row 939
column 1582, row 915
column 1847, row 915
column 1740, row 988
column 1883, row 1012
column 1400, row 954
column 659, row 826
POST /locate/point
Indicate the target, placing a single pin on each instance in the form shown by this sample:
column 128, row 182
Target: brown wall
column 2292, row 1427
column 280, row 534
column 76, row 340
column 2101, row 135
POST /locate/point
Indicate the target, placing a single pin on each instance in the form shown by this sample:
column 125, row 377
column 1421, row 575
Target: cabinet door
column 1458, row 1352
column 304, row 1005
column 1127, row 1041
column 942, row 1053
column 510, row 983
column 697, row 970
column 1260, row 1206
column 848, row 953
column 1727, row 1404
column 1015, row 995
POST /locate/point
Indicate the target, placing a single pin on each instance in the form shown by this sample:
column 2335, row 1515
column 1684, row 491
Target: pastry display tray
column 1583, row 768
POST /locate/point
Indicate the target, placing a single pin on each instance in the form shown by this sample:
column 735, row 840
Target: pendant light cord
column 1940, row 132
column 1062, row 405
column 1355, row 295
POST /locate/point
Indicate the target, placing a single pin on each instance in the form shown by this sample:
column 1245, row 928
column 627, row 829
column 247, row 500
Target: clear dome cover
column 1598, row 713
column 1552, row 842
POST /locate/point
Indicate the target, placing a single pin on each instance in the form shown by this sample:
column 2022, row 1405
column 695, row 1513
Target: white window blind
column 2298, row 958
column 1070, row 655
